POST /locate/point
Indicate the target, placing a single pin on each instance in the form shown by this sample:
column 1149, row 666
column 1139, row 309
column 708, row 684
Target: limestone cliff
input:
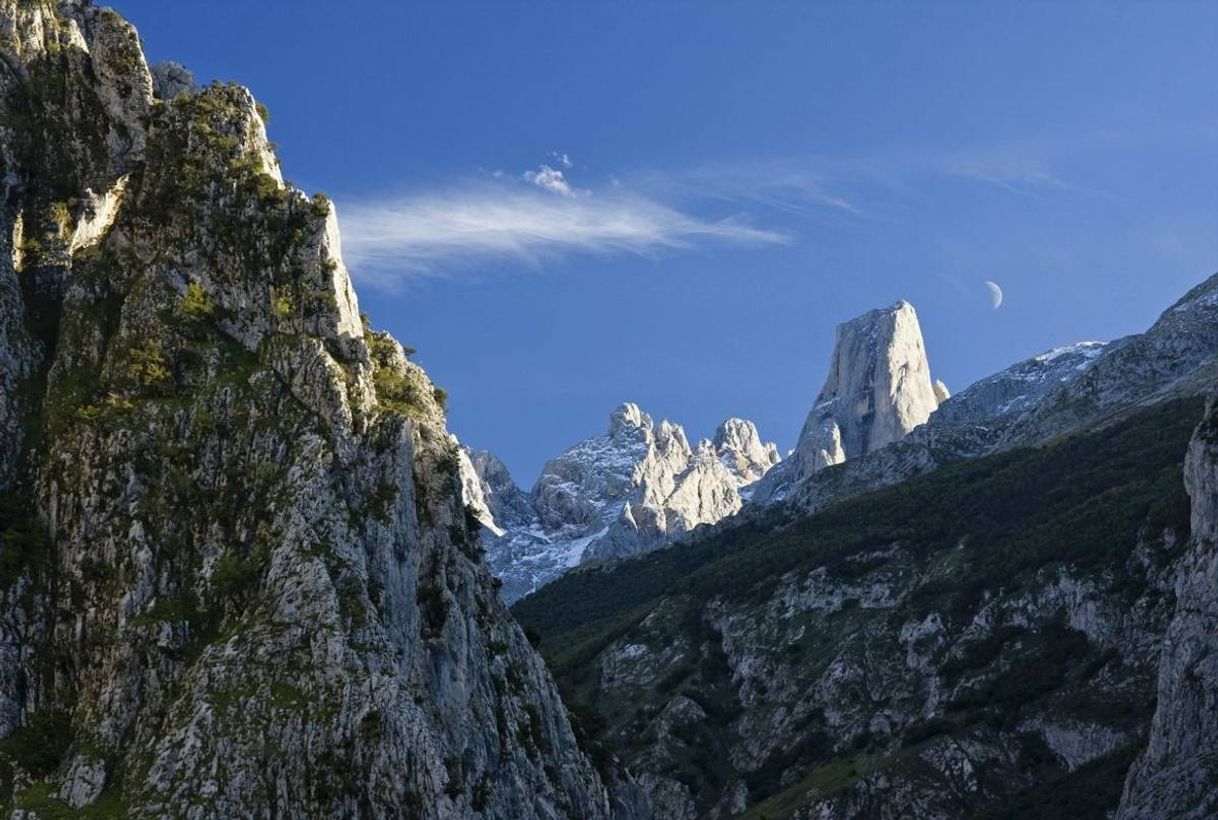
column 237, row 577
column 879, row 388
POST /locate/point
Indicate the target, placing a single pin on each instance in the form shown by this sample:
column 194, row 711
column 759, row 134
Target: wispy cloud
column 550, row 179
column 388, row 240
column 543, row 213
column 796, row 187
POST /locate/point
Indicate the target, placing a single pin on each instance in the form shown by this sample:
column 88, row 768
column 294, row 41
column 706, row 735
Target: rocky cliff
column 879, row 388
column 237, row 577
column 634, row 488
column 1177, row 773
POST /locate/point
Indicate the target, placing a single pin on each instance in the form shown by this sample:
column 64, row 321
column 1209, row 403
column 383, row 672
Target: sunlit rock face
column 879, row 388
column 632, row 489
column 741, row 450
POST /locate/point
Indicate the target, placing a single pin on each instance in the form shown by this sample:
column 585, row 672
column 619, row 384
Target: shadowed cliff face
column 237, row 577
column 1177, row 774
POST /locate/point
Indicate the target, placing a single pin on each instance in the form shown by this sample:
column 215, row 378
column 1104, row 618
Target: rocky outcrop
column 508, row 504
column 1021, row 386
column 1160, row 363
column 169, row 79
column 742, row 452
column 1177, row 774
column 878, row 389
column 635, row 488
column 239, row 577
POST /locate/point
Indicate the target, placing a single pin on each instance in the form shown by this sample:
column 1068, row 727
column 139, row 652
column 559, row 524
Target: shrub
column 146, row 366
column 282, row 306
column 234, row 576
column 196, row 306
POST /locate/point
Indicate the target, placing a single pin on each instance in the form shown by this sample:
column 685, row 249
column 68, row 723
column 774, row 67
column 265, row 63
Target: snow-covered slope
column 1021, row 385
column 631, row 489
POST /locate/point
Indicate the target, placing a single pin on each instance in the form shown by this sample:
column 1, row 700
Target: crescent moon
column 995, row 294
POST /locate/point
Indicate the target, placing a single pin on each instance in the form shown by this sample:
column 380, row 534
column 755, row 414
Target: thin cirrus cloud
column 527, row 218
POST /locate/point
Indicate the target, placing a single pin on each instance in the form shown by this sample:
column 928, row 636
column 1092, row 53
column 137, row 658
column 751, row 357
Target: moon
column 995, row 294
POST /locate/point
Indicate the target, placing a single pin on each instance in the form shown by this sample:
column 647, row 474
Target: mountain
column 879, row 388
column 1022, row 385
column 983, row 641
column 237, row 576
column 636, row 487
column 738, row 445
column 1008, row 612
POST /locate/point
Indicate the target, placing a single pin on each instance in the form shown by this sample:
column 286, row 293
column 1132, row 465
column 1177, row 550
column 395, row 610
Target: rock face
column 633, row 489
column 1177, row 774
column 169, row 79
column 879, row 389
column 238, row 577
column 740, row 449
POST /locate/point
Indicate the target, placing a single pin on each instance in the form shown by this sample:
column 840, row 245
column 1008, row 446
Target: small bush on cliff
column 196, row 305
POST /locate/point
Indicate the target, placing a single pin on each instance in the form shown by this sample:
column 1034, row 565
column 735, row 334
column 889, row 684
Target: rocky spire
column 739, row 447
column 879, row 388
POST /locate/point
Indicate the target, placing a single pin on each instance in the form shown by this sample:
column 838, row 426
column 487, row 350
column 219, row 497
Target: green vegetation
column 196, row 305
column 146, row 368
column 235, row 577
column 400, row 389
column 1091, row 791
column 40, row 744
column 39, row 799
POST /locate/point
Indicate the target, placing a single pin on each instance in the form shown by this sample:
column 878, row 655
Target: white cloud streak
column 550, row 179
column 389, row 240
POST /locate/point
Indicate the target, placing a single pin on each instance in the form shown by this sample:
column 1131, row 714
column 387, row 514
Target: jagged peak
column 735, row 429
column 628, row 416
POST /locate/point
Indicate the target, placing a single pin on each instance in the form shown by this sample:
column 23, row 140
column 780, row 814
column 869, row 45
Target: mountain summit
column 879, row 388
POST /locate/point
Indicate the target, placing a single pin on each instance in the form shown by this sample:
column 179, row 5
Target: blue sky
column 565, row 205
